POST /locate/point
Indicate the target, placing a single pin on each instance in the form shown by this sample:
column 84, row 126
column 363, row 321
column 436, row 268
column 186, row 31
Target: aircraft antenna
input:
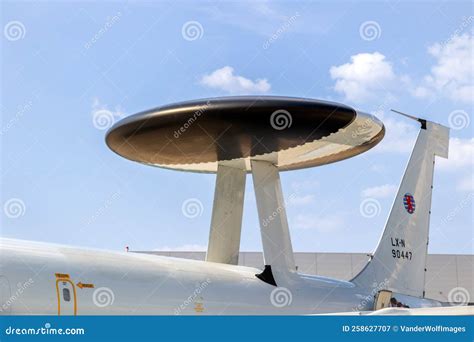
column 421, row 121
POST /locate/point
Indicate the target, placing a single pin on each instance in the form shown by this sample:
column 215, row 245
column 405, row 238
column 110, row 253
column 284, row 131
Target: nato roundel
column 409, row 203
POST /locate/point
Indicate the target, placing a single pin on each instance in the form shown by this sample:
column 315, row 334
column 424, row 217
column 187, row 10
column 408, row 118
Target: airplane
column 234, row 136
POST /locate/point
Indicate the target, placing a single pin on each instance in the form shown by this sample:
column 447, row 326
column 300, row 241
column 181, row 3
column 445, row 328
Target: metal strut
column 226, row 222
column 276, row 241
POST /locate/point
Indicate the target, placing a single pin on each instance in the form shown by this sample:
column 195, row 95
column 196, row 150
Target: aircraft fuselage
column 47, row 279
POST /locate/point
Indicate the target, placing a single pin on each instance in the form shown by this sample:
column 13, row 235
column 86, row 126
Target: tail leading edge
column 399, row 262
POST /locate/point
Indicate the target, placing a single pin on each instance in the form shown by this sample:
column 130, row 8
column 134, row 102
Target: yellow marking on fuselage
column 62, row 275
column 59, row 298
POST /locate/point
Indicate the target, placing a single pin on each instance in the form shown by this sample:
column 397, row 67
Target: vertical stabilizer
column 399, row 262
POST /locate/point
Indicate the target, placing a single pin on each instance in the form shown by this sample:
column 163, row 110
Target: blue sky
column 70, row 69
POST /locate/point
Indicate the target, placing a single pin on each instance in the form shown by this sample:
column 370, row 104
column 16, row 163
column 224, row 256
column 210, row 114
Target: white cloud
column 224, row 79
column 400, row 136
column 370, row 75
column 296, row 194
column 304, row 184
column 326, row 224
column 97, row 105
column 453, row 73
column 300, row 200
column 382, row 191
column 461, row 155
column 460, row 162
column 363, row 77
column 183, row 248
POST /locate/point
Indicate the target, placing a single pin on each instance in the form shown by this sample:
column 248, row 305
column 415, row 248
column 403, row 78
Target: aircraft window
column 66, row 295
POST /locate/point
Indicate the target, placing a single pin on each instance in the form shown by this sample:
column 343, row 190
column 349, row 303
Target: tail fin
column 399, row 262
